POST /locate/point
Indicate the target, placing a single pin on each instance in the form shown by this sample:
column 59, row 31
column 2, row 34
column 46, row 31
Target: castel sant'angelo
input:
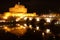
column 18, row 11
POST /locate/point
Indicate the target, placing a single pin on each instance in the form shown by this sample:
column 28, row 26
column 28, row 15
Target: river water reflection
column 29, row 31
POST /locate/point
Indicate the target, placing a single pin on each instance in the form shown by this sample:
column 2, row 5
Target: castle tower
column 18, row 8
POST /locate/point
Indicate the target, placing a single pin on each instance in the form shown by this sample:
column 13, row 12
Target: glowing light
column 25, row 25
column 43, row 34
column 58, row 22
column 30, row 18
column 50, row 16
column 48, row 20
column 30, row 26
column 25, row 18
column 18, row 24
column 17, row 19
column 47, row 30
column 34, row 30
column 37, row 28
column 21, row 16
column 45, row 23
column 37, row 19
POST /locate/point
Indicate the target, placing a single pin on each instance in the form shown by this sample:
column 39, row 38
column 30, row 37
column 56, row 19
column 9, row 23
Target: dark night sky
column 32, row 5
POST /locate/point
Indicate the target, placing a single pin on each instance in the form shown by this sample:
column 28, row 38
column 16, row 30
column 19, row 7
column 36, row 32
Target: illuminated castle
column 18, row 11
